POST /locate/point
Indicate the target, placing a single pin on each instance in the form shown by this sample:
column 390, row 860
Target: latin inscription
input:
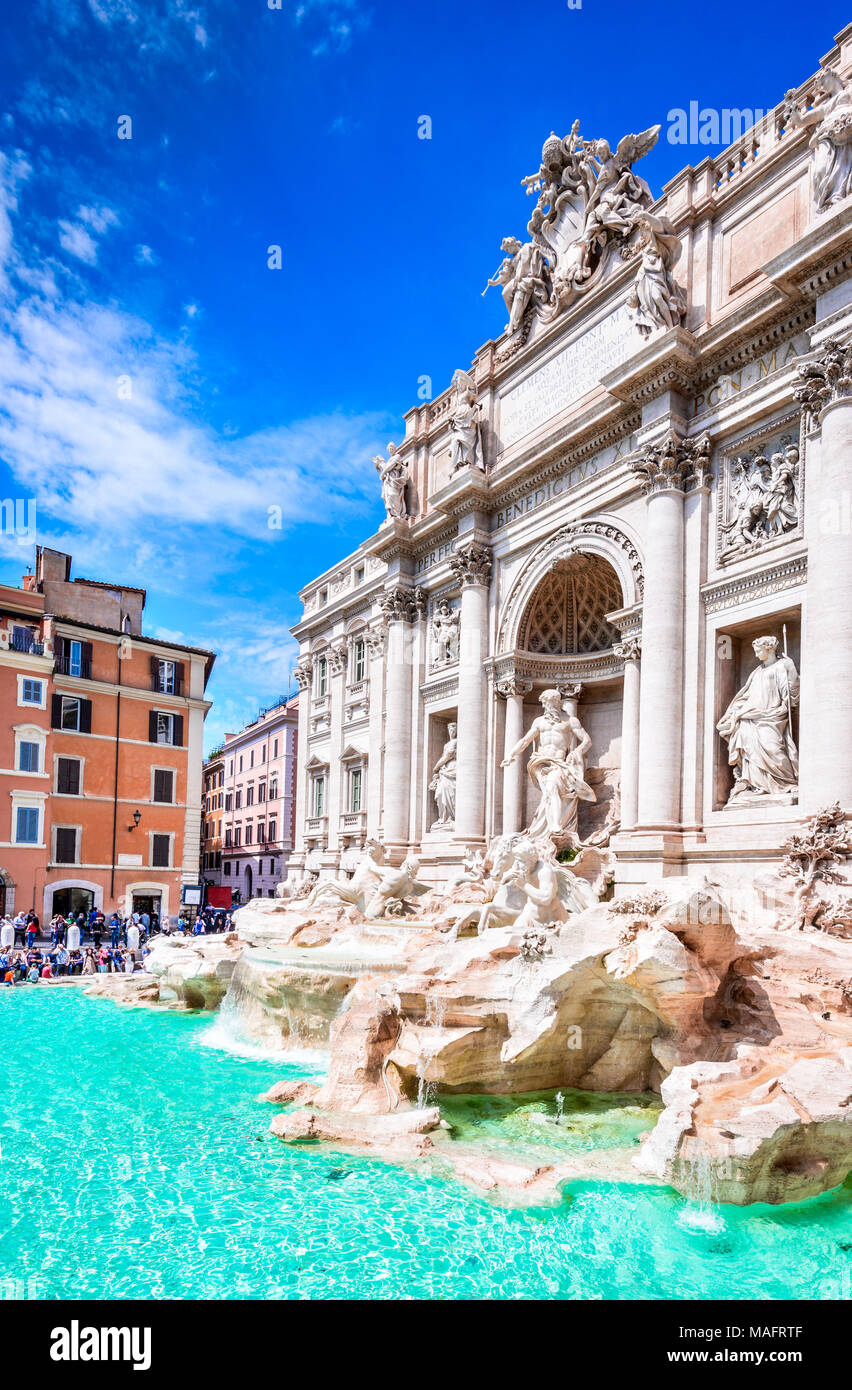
column 570, row 375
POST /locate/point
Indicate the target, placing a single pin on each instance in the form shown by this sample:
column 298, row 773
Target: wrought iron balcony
column 67, row 665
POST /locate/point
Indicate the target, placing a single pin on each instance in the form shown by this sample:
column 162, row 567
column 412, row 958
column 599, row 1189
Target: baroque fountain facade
column 575, row 766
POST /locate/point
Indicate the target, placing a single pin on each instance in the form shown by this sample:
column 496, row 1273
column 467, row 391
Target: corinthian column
column 471, row 565
column 667, row 470
column 825, row 766
column 513, row 691
column 399, row 609
column 630, row 651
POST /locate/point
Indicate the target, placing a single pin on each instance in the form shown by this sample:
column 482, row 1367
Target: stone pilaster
column 400, row 610
column 471, row 565
column 338, row 656
column 667, row 470
column 376, row 639
column 630, row 651
column 825, row 765
column 303, row 676
column 513, row 691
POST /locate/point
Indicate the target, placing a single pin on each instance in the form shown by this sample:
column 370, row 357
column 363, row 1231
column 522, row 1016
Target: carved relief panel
column 759, row 501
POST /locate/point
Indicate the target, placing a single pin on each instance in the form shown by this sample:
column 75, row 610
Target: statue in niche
column 765, row 499
column 393, row 475
column 465, row 424
column 445, row 634
column 757, row 726
column 830, row 121
column 524, row 277
column 557, row 767
column 657, row 300
column 443, row 783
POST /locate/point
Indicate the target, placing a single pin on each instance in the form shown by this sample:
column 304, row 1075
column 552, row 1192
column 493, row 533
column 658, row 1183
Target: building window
column 322, row 677
column 231, row 768
column 323, row 597
column 161, row 851
column 261, row 834
column 227, row 868
column 228, row 838
column 28, row 757
column 65, row 844
column 238, row 799
column 275, row 748
column 27, row 825
column 229, row 801
column 248, row 834
column 68, row 776
column 238, row 835
column 261, row 791
column 250, row 795
column 272, row 866
column 168, row 676
column 165, row 728
column 73, row 658
column 273, row 789
column 72, row 714
column 164, row 784
column 319, row 796
column 356, row 782
column 263, row 754
column 241, row 762
column 359, row 574
column 31, row 692
column 358, row 661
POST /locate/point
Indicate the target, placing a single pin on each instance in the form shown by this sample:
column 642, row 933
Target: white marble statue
column 292, row 890
column 394, row 889
column 830, row 123
column 355, row 890
column 657, row 300
column 393, row 474
column 523, row 275
column 757, row 726
column 557, row 767
column 465, row 424
column 445, row 633
column 443, row 783
column 7, row 934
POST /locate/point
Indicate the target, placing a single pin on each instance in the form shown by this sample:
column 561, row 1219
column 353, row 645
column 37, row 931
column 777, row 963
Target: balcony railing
column 25, row 642
column 80, row 666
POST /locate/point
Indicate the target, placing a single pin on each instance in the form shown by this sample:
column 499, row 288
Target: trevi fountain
column 574, row 816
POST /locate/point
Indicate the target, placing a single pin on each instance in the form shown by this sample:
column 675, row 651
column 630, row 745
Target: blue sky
column 161, row 387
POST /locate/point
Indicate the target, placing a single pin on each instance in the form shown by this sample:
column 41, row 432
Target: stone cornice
column 734, row 590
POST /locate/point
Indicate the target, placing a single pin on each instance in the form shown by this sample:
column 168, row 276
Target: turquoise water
column 135, row 1163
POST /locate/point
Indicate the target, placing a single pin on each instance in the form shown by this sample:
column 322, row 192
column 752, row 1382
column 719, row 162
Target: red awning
column 218, row 897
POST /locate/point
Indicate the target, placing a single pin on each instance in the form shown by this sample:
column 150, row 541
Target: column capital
column 630, row 649
column 400, row 604
column 513, row 685
column 673, row 465
column 828, row 378
column 338, row 657
column 471, row 564
column 303, row 672
column 375, row 639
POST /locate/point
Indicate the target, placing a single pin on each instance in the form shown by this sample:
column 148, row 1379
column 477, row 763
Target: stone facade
column 640, row 477
column 250, row 809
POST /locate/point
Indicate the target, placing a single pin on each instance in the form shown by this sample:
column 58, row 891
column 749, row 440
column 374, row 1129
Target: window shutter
column 86, row 656
column 178, row 728
column 155, row 670
column 152, row 726
column 59, row 644
column 179, row 675
column 85, row 716
column 56, row 712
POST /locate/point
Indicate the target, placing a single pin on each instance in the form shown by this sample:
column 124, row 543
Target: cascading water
column 433, row 1021
column 701, row 1188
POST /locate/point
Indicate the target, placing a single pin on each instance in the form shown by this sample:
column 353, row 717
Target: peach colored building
column 259, row 797
column 101, row 748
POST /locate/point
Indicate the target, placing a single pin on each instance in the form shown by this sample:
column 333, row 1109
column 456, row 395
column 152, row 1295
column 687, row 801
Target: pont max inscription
column 570, row 375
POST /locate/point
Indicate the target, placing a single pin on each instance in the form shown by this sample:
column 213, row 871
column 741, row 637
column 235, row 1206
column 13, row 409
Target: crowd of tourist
column 118, row 944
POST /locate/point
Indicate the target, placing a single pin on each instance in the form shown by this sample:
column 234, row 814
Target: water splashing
column 433, row 1020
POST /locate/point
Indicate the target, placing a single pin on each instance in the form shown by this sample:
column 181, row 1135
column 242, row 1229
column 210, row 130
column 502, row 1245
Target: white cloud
column 97, row 218
column 144, row 255
column 77, row 241
column 98, row 420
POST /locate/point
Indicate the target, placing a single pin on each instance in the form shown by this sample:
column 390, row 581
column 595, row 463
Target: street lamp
column 137, row 816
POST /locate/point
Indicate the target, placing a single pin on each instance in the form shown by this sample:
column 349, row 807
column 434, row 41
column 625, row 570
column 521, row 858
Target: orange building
column 213, row 808
column 101, row 748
